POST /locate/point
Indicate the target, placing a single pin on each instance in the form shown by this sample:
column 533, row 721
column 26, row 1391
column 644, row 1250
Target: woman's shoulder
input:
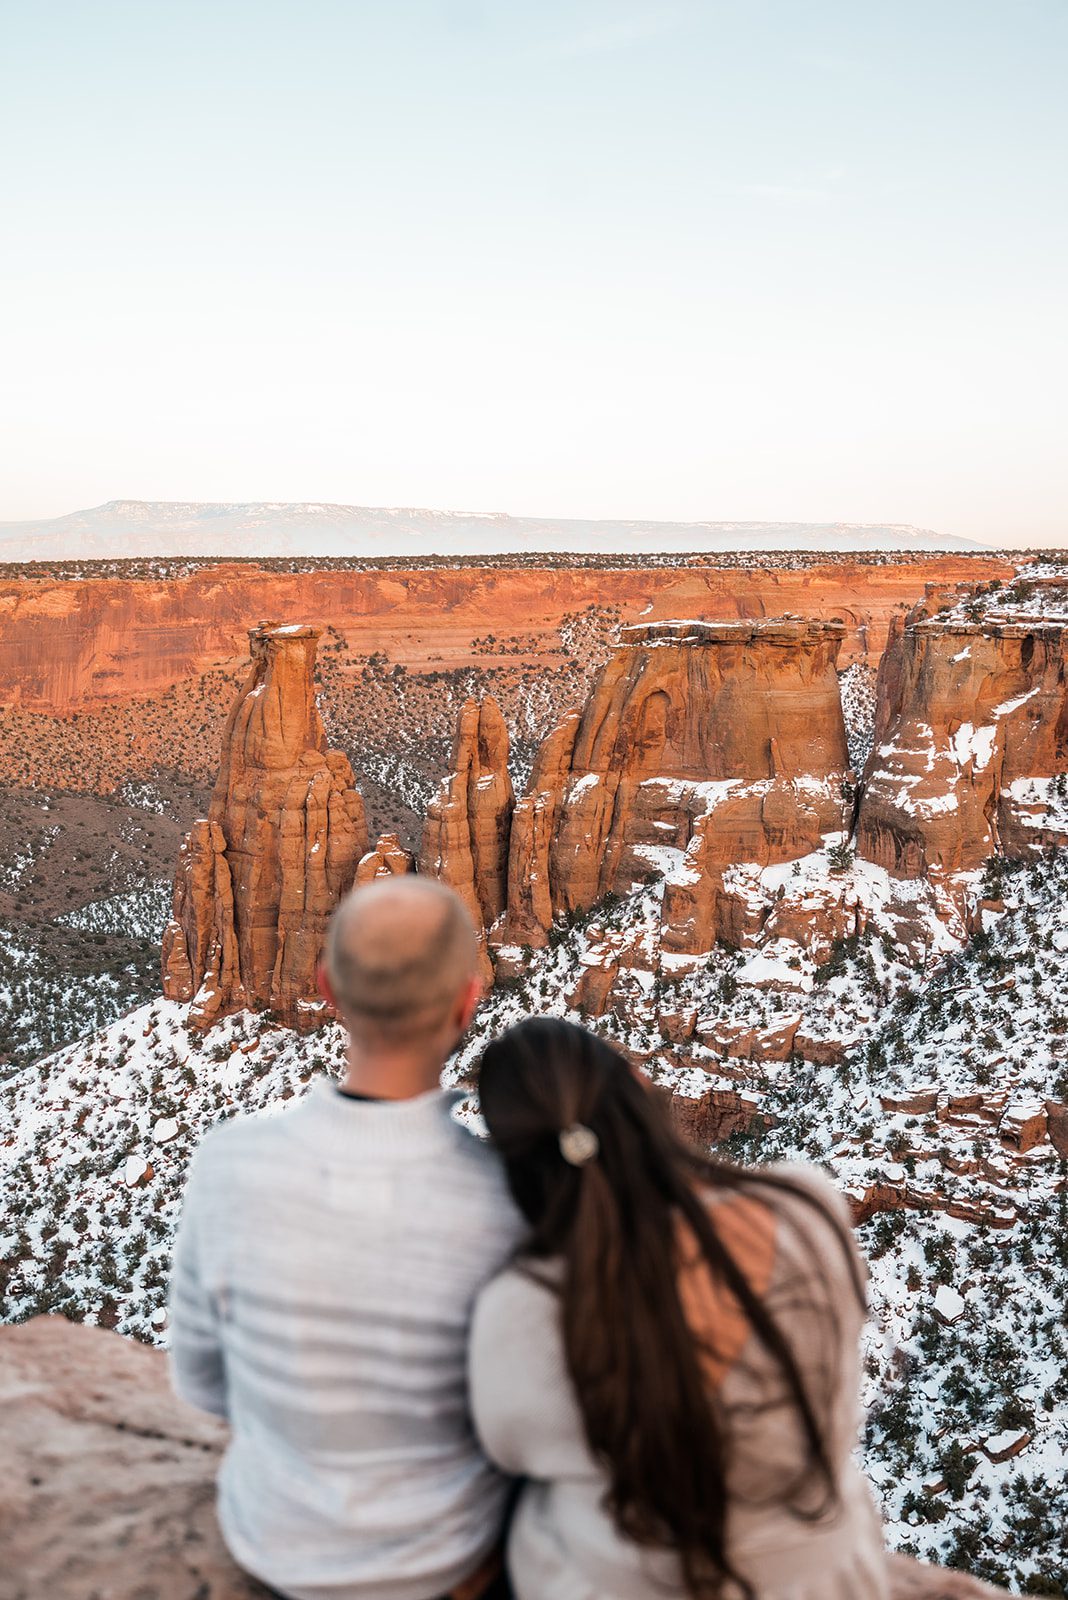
column 753, row 1209
column 521, row 1295
column 810, row 1187
column 814, row 1218
column 515, row 1350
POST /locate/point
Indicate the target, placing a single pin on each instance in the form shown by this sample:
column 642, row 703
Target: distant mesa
column 141, row 528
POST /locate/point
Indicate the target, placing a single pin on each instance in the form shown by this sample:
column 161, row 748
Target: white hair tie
column 579, row 1144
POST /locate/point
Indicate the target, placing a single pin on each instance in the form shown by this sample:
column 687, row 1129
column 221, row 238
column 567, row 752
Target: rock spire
column 259, row 876
column 468, row 822
column 701, row 744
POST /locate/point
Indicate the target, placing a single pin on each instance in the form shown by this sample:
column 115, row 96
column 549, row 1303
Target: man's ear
column 323, row 985
column 468, row 1003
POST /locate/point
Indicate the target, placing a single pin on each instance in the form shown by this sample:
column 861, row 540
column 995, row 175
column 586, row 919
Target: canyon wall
column 971, row 733
column 259, row 876
column 706, row 756
column 74, row 644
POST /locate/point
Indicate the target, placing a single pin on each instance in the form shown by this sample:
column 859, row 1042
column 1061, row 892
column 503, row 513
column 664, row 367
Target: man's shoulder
column 246, row 1135
column 481, row 1171
column 470, row 1147
column 300, row 1124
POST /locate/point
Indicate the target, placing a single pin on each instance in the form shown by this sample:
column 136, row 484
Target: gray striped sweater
column 324, row 1275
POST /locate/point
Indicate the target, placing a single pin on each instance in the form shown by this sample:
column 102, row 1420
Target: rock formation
column 107, row 1479
column 702, row 744
column 120, row 669
column 971, row 733
column 468, row 823
column 260, row 875
column 107, row 1482
column 530, row 908
column 386, row 860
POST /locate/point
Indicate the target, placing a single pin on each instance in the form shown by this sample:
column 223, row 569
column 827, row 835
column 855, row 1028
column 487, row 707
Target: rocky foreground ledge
column 106, row 1480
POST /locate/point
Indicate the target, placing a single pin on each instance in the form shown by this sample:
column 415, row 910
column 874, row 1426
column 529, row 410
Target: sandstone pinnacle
column 259, row 877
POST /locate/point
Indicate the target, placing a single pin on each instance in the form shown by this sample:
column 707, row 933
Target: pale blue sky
column 800, row 259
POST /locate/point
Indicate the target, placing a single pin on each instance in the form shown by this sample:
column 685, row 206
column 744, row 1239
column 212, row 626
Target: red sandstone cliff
column 468, row 823
column 705, row 752
column 72, row 644
column 972, row 730
column 701, row 745
column 259, row 877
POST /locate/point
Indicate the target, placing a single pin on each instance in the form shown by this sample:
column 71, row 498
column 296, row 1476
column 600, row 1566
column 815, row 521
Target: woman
column 671, row 1363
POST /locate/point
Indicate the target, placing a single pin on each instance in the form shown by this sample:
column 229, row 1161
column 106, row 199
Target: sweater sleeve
column 517, row 1377
column 198, row 1370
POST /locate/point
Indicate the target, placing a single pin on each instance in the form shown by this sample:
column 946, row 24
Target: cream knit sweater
column 564, row 1544
column 324, row 1276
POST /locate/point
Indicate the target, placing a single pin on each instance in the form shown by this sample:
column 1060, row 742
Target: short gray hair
column 398, row 953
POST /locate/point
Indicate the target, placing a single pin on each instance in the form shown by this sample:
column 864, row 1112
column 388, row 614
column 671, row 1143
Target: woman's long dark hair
column 650, row 1413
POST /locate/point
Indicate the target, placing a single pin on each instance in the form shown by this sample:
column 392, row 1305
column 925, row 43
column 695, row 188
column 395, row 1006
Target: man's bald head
column 401, row 953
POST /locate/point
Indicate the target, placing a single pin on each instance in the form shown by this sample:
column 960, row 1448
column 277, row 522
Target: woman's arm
column 516, row 1374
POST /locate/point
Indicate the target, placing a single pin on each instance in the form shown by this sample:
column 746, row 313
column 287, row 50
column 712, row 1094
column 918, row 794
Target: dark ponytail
column 651, row 1416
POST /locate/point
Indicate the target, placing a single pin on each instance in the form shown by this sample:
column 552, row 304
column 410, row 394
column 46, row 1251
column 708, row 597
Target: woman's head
column 538, row 1084
column 613, row 1208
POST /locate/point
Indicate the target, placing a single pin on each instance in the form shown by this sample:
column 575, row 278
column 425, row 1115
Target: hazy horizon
column 256, row 529
column 608, row 259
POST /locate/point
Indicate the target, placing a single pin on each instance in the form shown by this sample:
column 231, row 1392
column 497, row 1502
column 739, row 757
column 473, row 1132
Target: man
column 324, row 1274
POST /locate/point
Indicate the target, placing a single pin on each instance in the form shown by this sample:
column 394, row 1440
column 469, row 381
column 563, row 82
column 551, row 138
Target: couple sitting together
column 576, row 1361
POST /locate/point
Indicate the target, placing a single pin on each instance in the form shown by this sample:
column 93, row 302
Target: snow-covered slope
column 928, row 1077
column 127, row 528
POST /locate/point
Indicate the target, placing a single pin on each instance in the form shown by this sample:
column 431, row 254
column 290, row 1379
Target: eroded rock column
column 258, row 878
column 468, row 823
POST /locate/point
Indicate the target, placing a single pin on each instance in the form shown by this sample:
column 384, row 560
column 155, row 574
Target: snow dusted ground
column 1037, row 594
column 966, row 1379
column 139, row 913
column 44, row 1000
column 96, row 1140
column 857, row 686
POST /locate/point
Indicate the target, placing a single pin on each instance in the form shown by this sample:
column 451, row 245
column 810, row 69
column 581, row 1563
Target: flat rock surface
column 107, row 1480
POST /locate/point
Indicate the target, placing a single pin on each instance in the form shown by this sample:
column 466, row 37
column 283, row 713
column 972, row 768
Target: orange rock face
column 111, row 677
column 468, row 823
column 259, row 877
column 701, row 745
column 386, row 860
column 971, row 735
column 73, row 643
column 530, row 908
